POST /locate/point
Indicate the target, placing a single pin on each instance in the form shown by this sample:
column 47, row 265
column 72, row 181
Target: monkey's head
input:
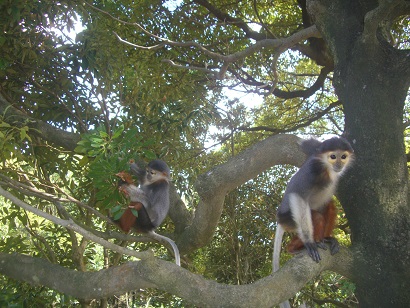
column 157, row 170
column 336, row 153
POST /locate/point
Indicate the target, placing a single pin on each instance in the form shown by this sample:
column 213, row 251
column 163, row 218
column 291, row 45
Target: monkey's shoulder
column 308, row 173
column 319, row 173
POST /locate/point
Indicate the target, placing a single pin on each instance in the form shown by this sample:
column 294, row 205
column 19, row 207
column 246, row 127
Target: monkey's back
column 158, row 202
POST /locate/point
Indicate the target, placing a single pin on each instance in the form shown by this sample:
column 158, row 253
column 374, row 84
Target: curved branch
column 156, row 273
column 249, row 80
column 47, row 132
column 279, row 45
column 217, row 182
column 309, row 121
column 226, row 18
column 374, row 17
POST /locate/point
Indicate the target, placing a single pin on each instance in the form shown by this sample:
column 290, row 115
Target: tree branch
column 279, row 45
column 47, row 132
column 70, row 224
column 226, row 18
column 373, row 18
column 309, row 121
column 249, row 80
column 217, row 182
column 155, row 273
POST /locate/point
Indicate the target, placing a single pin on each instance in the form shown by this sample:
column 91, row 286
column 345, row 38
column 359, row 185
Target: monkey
column 150, row 200
column 307, row 208
column 307, row 202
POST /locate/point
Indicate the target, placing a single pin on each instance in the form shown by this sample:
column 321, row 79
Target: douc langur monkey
column 308, row 197
column 150, row 200
column 307, row 208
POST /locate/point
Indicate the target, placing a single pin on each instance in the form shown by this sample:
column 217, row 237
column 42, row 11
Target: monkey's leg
column 330, row 217
column 303, row 219
column 126, row 221
column 318, row 221
column 295, row 245
column 318, row 233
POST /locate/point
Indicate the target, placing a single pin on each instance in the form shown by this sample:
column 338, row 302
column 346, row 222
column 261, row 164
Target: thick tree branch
column 156, row 273
column 213, row 186
column 278, row 45
column 47, row 132
column 373, row 18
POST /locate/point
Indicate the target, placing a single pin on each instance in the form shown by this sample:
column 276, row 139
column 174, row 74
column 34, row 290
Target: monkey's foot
column 321, row 245
column 313, row 251
column 334, row 244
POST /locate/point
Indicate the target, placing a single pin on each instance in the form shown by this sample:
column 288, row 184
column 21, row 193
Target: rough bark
column 372, row 79
column 155, row 273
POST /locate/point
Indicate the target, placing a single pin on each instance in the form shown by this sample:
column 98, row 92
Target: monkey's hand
column 139, row 170
column 312, row 250
column 334, row 245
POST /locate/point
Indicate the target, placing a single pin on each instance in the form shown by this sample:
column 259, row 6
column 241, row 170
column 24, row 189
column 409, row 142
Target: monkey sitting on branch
column 307, row 208
column 149, row 203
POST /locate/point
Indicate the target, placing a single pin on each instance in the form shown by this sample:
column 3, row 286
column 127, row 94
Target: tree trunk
column 372, row 79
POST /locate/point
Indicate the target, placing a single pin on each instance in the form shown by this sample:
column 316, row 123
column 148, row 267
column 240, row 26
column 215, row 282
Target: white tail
column 276, row 256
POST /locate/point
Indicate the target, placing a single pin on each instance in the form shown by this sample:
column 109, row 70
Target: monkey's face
column 337, row 160
column 155, row 176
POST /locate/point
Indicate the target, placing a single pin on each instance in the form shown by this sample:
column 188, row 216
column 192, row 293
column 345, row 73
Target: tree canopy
column 223, row 91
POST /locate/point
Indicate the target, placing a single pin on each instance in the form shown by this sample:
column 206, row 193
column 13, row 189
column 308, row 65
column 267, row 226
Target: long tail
column 277, row 247
column 276, row 256
column 174, row 246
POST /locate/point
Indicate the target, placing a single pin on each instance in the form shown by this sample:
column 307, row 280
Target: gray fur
column 154, row 184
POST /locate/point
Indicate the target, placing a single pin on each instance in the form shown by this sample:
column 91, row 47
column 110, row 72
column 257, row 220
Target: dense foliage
column 62, row 64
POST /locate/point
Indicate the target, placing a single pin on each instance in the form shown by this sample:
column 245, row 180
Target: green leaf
column 134, row 212
column 118, row 132
column 116, row 208
column 4, row 124
column 118, row 215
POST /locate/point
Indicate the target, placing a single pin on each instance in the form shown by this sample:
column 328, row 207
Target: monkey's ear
column 310, row 146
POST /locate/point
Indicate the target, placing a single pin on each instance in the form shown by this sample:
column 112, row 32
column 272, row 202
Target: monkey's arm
column 139, row 171
column 136, row 194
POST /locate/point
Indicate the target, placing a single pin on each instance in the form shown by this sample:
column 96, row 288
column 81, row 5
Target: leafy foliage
column 126, row 103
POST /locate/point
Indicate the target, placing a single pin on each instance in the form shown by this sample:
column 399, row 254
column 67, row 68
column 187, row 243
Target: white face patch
column 155, row 176
column 338, row 160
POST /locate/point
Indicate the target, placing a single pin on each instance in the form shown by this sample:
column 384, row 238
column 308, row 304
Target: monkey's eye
column 332, row 156
column 344, row 156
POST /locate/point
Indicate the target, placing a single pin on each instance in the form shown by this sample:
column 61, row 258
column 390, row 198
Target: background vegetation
column 76, row 105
